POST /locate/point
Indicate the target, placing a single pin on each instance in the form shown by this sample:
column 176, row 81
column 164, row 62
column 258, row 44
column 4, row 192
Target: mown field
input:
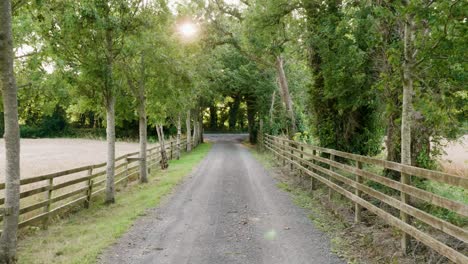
column 42, row 156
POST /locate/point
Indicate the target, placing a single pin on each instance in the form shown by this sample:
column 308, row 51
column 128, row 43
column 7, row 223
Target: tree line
column 347, row 75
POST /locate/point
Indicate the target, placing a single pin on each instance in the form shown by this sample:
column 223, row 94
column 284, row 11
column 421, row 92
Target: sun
column 188, row 29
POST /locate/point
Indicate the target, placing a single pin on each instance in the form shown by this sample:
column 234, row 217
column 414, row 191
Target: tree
column 89, row 36
column 139, row 62
column 256, row 34
column 8, row 238
column 345, row 113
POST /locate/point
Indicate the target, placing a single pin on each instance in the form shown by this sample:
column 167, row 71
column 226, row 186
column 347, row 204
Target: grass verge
column 80, row 237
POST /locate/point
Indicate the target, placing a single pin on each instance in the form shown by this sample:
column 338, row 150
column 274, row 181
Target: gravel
column 228, row 211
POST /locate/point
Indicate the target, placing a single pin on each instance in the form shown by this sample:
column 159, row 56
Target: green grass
column 81, row 237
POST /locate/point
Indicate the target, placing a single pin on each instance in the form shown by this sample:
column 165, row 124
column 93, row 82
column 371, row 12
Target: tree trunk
column 283, row 83
column 393, row 144
column 272, row 108
column 260, row 136
column 179, row 132
column 200, row 126
column 195, row 130
column 406, row 115
column 233, row 112
column 213, row 117
column 189, row 133
column 142, row 123
column 110, row 134
column 162, row 147
column 110, row 112
column 143, row 134
column 251, row 119
column 8, row 239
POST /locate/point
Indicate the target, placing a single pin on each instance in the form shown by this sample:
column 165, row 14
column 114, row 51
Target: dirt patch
column 42, row 156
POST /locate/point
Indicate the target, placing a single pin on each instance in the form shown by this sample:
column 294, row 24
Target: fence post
column 301, row 155
column 148, row 159
column 283, row 152
column 89, row 193
column 405, row 179
column 312, row 182
column 90, row 190
column 171, row 148
column 357, row 207
column 291, row 166
column 179, row 151
column 45, row 222
column 126, row 173
column 330, row 190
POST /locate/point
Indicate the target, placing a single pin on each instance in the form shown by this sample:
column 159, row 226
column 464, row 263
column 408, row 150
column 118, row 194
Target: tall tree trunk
column 143, row 133
column 406, row 115
column 110, row 112
column 283, row 83
column 393, row 144
column 233, row 111
column 200, row 126
column 110, row 134
column 195, row 130
column 213, row 117
column 8, row 238
column 162, row 147
column 179, row 132
column 260, row 136
column 189, row 133
column 272, row 107
column 142, row 123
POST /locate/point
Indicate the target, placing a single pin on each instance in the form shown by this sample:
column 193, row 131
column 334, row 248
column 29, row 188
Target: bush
column 49, row 126
column 31, row 132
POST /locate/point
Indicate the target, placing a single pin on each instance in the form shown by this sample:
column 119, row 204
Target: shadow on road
column 226, row 138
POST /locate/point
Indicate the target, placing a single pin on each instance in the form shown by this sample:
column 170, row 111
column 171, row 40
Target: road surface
column 228, row 211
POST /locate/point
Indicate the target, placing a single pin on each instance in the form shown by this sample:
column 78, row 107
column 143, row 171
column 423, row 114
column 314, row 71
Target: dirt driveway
column 229, row 211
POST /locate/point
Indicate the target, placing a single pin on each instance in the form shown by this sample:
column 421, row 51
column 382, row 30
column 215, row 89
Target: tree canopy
column 326, row 71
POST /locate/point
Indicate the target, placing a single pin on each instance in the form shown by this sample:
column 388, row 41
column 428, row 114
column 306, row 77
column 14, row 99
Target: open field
column 81, row 237
column 455, row 160
column 42, row 156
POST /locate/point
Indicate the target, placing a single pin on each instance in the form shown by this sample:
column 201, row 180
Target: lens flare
column 188, row 29
column 270, row 235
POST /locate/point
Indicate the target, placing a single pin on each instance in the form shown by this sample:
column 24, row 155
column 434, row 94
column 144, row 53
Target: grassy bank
column 80, row 237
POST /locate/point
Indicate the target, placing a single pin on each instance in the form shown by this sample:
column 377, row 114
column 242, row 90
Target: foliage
column 342, row 61
column 344, row 105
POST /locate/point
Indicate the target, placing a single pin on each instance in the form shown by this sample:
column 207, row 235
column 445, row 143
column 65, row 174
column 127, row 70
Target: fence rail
column 334, row 169
column 43, row 196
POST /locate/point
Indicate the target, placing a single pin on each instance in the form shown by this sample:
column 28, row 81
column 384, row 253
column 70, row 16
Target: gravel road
column 228, row 211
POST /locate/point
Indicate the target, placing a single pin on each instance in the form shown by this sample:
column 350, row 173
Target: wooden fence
column 44, row 196
column 343, row 173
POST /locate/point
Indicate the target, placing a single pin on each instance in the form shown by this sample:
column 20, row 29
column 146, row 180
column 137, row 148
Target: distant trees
column 374, row 68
